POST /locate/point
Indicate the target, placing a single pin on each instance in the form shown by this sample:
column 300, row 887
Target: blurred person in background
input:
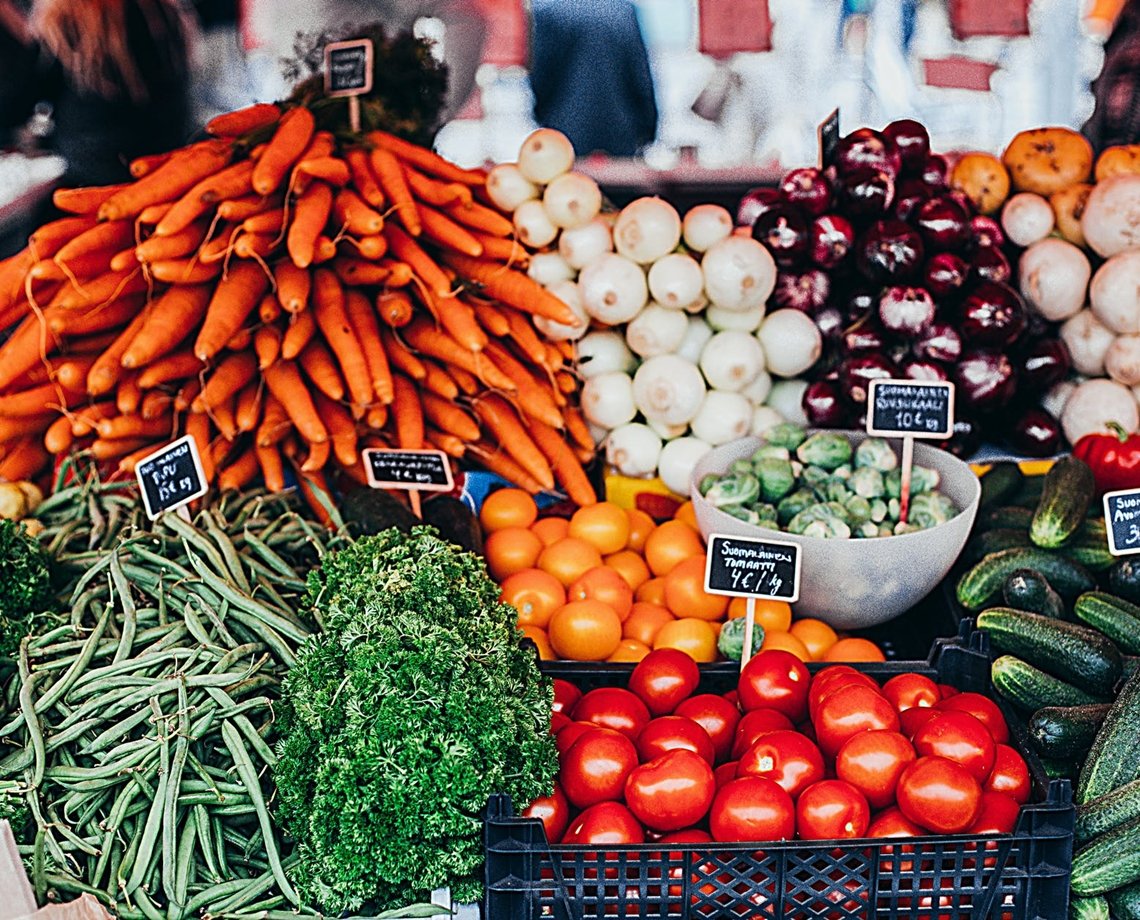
column 221, row 79
column 1116, row 115
column 590, row 75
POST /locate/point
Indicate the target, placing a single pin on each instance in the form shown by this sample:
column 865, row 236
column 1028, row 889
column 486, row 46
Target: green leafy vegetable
column 25, row 585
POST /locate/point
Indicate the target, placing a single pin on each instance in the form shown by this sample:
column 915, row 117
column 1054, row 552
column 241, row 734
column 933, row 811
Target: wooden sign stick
column 904, row 486
column 749, row 626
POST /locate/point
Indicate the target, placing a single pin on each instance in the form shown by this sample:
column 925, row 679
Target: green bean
column 111, row 828
column 175, row 632
column 147, row 906
column 95, row 802
column 35, row 733
column 201, row 823
column 48, row 638
column 68, row 775
column 240, row 602
column 128, row 606
column 61, row 686
column 246, row 727
column 267, row 589
column 97, row 678
column 229, row 553
column 155, row 814
column 253, row 889
column 194, row 625
column 184, row 858
column 115, row 732
column 72, row 885
column 217, row 790
column 126, row 866
column 263, row 552
column 238, row 652
column 174, row 782
column 53, row 848
column 215, row 893
column 218, row 833
column 74, row 839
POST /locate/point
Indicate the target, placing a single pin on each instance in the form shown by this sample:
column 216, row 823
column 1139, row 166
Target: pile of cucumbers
column 1063, row 616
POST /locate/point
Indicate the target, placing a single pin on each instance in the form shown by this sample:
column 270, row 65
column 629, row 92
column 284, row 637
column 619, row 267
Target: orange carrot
column 128, row 396
column 239, row 473
column 155, row 403
column 266, row 345
column 408, row 413
column 329, row 169
column 481, row 218
column 177, row 365
column 395, row 308
column 58, row 438
column 407, row 250
column 320, row 368
column 134, row 426
column 362, row 178
column 141, row 166
column 342, row 429
column 242, row 121
column 187, row 394
column 401, row 357
column 275, row 422
column 490, row 317
column 184, row 271
column 566, row 466
column 222, row 416
column 50, row 238
column 503, row 250
column 247, row 409
column 449, row 417
column 355, row 215
column 124, row 259
column 226, row 380
column 497, row 461
column 309, row 219
column 185, row 169
column 24, row 460
column 294, row 131
column 458, row 319
column 240, row 340
column 198, row 427
column 302, row 326
column 16, row 427
column 107, row 370
column 533, row 399
column 72, row 373
column 333, row 320
column 223, row 185
column 85, row 200
column 82, row 267
column 175, row 246
column 554, row 359
column 437, row 344
column 367, row 333
column 504, row 424
column 84, row 420
column 100, row 318
column 467, row 382
column 238, row 209
column 152, row 214
column 102, row 289
column 438, row 382
column 426, row 161
column 448, row 443
column 362, row 272
column 39, row 400
column 272, row 469
column 325, row 250
column 441, row 229
column 218, row 249
column 269, row 310
column 272, row 221
column 567, row 383
column 390, row 175
column 293, row 285
column 255, row 245
column 513, row 288
column 105, row 449
column 232, row 301
column 289, row 389
column 315, row 491
column 370, row 247
column 433, row 192
column 176, row 312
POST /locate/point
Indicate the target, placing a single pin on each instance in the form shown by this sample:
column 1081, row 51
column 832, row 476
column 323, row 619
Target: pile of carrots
column 287, row 298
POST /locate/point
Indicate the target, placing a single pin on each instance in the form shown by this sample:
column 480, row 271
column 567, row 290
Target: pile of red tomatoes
column 785, row 755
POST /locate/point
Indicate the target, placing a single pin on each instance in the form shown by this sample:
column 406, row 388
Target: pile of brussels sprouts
column 823, row 486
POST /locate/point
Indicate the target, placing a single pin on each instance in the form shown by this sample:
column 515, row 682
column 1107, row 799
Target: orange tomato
column 696, row 637
column 603, row 584
column 605, row 525
column 787, row 642
column 686, row 514
column 630, row 650
column 640, row 527
column 510, row 550
column 539, row 637
column 685, row 592
column 644, row 621
column 854, row 649
column 652, row 591
column 816, row 636
column 550, row 530
column 507, row 508
column 671, row 543
column 568, row 558
column 630, row 566
column 535, row 594
column 774, row 616
column 585, row 631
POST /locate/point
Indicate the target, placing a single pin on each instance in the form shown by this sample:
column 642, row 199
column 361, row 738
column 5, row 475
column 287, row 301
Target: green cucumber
column 1059, row 769
column 1026, row 589
column 1124, row 579
column 980, row 584
column 991, row 541
column 1108, row 811
column 1070, row 651
column 1068, row 489
column 1002, row 481
column 1031, row 688
column 1115, row 756
column 1066, row 731
column 1092, row 553
column 1005, row 517
column 1030, row 492
column 1131, row 665
column 1108, row 862
column 1115, row 617
column 1125, row 903
column 1095, row 908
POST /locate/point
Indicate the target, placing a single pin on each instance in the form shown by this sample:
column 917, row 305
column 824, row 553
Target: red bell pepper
column 1114, row 458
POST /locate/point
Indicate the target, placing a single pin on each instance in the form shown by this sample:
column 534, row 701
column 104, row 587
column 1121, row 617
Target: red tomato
column 847, row 712
column 613, row 707
column 670, row 733
column 715, row 715
column 787, row 758
column 775, row 679
column 671, row 792
column 688, row 835
column 911, row 720
column 664, row 678
column 726, row 772
column 872, row 762
column 958, row 736
column 566, row 695
column 906, row 691
column 981, row 708
column 831, row 810
column 832, row 678
column 606, row 822
column 554, row 812
column 939, row 794
column 570, row 733
column 752, row 808
column 558, row 721
column 890, row 822
column 947, row 691
column 998, row 814
column 1009, row 776
column 755, row 724
column 595, row 767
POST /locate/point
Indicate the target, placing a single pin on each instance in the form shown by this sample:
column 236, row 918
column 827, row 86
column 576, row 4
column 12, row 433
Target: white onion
column 664, row 431
column 1111, row 219
column 731, row 360
column 742, row 320
column 647, row 229
column 572, row 200
column 507, row 187
column 533, row 225
column 1095, row 403
column 545, row 155
column 1027, row 218
column 787, row 398
column 676, row 281
column 757, row 391
column 1115, row 292
column 1122, row 360
column 723, row 417
column 656, row 331
column 696, row 336
column 792, row 342
column 549, row 268
column 763, row 418
column 633, row 450
column 582, row 245
column 567, row 292
column 1087, row 339
column 705, row 225
column 613, row 289
column 604, row 352
column 1054, row 400
column 669, row 388
column 697, row 306
column 607, row 400
column 739, row 273
column 678, row 460
column 1054, row 278
column 598, row 433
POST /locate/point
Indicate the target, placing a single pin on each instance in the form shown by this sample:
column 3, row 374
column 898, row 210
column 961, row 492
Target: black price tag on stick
column 753, row 568
column 171, row 477
column 424, row 470
column 921, row 409
column 1122, row 518
column 348, row 67
column 828, row 133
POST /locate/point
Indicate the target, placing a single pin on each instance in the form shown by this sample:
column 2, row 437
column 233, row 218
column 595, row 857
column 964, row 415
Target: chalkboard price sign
column 348, row 67
column 753, row 568
column 1122, row 515
column 424, row 470
column 919, row 408
column 171, row 477
column 828, row 138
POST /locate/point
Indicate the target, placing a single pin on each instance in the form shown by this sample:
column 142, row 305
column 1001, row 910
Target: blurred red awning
column 969, row 18
column 958, row 72
column 730, row 27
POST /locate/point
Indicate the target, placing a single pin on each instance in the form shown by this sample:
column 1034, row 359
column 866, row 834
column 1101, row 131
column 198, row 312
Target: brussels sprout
column 707, row 482
column 866, row 529
column 934, row 505
column 887, row 529
column 742, row 513
column 922, row 479
column 770, row 451
column 877, row 454
column 776, row 478
column 835, row 509
column 741, row 468
column 814, row 476
column 826, row 449
column 867, row 482
column 830, row 529
column 843, row 471
column 768, row 515
column 734, row 490
column 797, row 468
column 894, row 509
column 786, row 435
column 908, row 527
column 826, row 511
column 793, row 504
column 921, row 521
column 858, row 509
column 835, row 490
column 878, row 511
column 730, row 642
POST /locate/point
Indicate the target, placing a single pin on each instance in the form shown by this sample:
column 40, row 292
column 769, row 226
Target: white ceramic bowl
column 857, row 583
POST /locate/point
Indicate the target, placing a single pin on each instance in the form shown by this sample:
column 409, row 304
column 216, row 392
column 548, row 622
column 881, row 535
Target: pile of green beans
column 140, row 730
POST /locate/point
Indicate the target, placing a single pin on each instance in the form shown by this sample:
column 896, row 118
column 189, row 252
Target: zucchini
column 1115, row 617
column 1125, row 903
column 1033, row 689
column 1070, row 651
column 1108, row 811
column 1107, row 862
column 990, row 541
column 1066, row 731
column 1124, row 579
column 1002, row 481
column 1115, row 756
column 1005, row 517
column 1068, row 489
column 1026, row 589
column 1094, row 908
column 980, row 584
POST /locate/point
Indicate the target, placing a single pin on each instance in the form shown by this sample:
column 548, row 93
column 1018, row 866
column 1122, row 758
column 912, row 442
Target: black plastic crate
column 1021, row 876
